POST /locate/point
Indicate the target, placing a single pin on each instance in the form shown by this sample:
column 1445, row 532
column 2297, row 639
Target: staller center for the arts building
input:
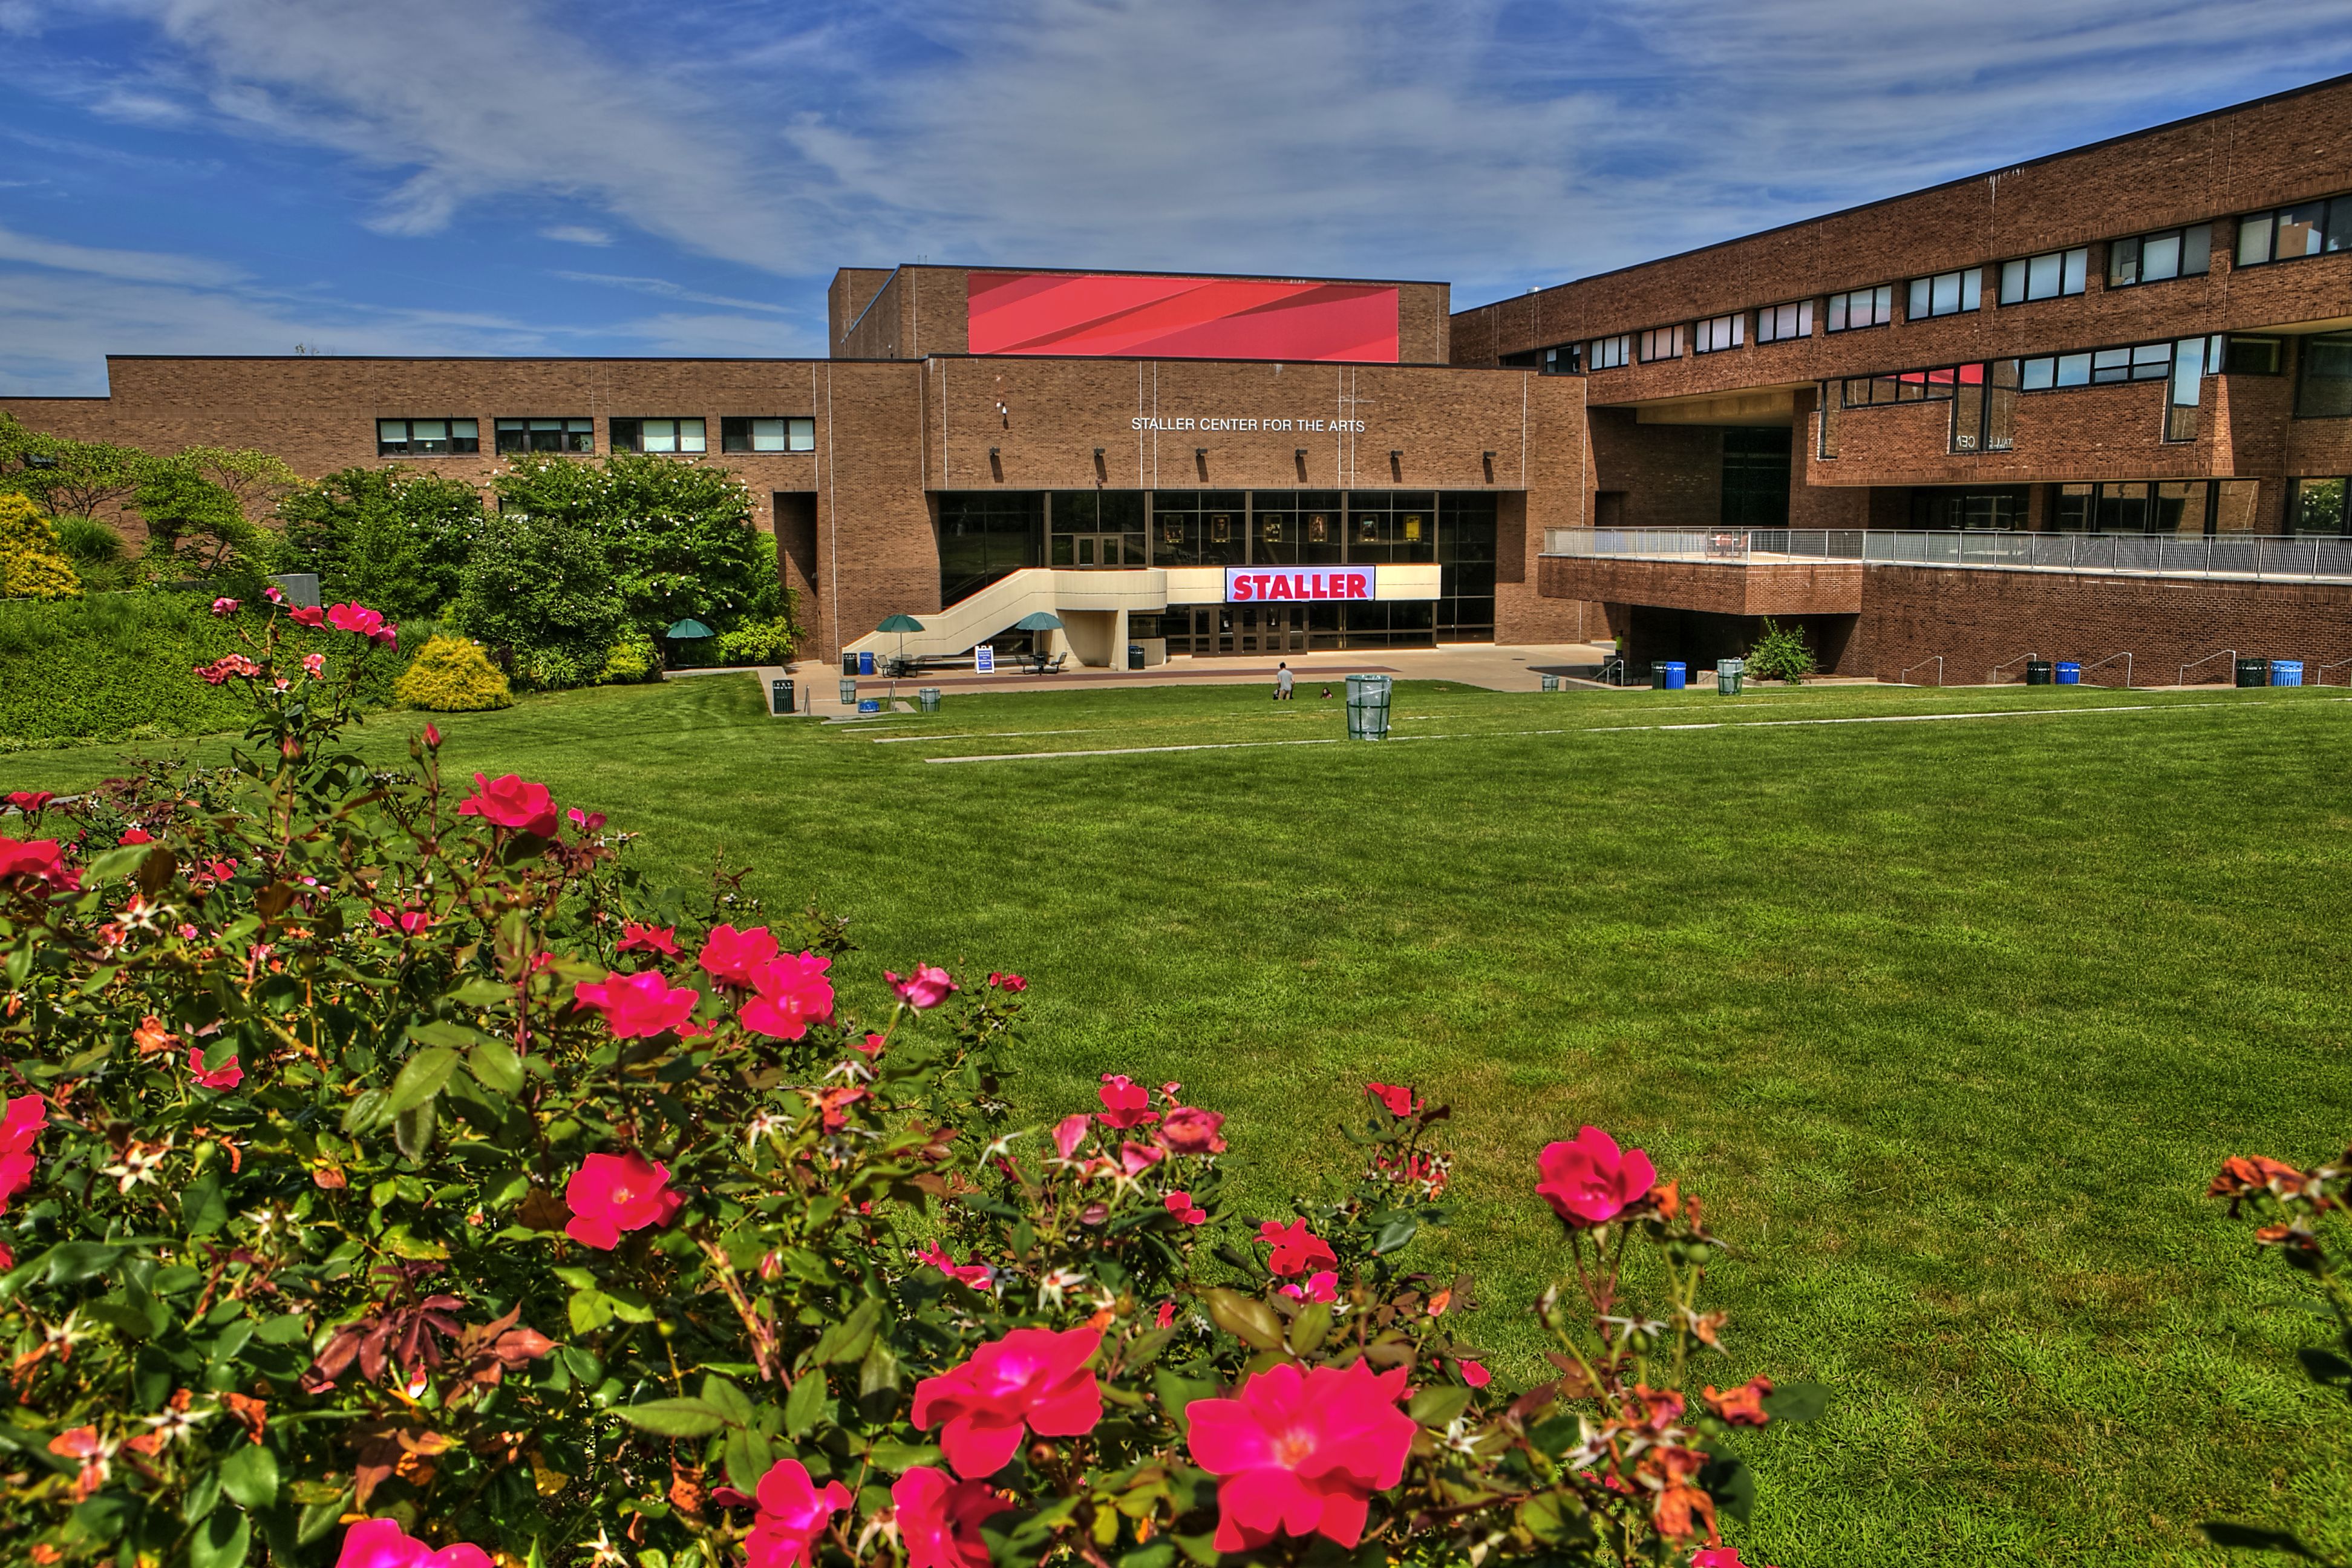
column 2093, row 404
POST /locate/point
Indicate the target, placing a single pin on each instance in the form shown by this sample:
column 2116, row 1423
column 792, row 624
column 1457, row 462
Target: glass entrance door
column 1269, row 628
column 1102, row 550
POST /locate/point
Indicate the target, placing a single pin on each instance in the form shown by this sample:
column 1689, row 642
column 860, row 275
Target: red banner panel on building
column 1091, row 313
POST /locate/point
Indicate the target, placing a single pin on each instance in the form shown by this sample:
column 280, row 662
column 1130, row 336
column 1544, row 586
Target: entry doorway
column 1268, row 628
column 1104, row 550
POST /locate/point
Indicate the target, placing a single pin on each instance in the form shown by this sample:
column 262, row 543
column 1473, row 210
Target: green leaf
column 1435, row 1407
column 673, row 1417
column 807, row 1404
column 250, row 1476
column 591, row 1310
column 497, row 1067
column 849, row 1339
column 222, row 1540
column 878, row 1370
column 444, row 1036
column 747, row 1456
column 1145, row 1347
column 1796, row 1402
column 412, row 1132
column 421, row 1078
column 899, row 1458
column 628, row 1306
column 1731, row 1484
column 480, row 993
column 204, row 1496
column 1396, row 1233
column 727, row 1400
column 1307, row 1330
column 1159, row 1554
column 1176, row 1392
column 201, row 1209
column 363, row 1111
column 1250, row 1321
column 71, row 1262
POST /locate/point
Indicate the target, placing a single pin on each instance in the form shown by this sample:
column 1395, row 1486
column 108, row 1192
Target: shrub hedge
column 115, row 667
column 452, row 674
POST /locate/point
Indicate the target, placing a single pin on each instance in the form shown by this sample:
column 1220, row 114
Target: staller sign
column 1220, row 422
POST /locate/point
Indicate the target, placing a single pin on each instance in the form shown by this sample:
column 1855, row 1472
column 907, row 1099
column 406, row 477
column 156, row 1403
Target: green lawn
column 1949, row 1022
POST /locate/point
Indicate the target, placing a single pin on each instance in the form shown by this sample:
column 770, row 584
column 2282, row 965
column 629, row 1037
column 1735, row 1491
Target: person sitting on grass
column 1282, row 682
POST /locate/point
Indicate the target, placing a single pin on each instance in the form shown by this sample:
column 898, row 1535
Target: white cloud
column 669, row 291
column 139, row 266
column 576, row 233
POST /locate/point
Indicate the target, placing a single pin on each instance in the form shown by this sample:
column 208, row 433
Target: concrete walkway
column 1494, row 668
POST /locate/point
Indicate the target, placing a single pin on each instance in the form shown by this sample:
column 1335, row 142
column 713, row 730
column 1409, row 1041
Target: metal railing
column 2244, row 556
column 2230, row 671
column 1905, row 677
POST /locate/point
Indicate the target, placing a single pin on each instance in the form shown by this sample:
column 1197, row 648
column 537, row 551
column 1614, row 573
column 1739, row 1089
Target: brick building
column 2095, row 407
column 2098, row 407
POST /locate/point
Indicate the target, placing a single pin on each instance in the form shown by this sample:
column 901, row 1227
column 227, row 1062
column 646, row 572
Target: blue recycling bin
column 1677, row 674
column 865, row 664
column 869, row 705
column 2286, row 672
column 2069, row 673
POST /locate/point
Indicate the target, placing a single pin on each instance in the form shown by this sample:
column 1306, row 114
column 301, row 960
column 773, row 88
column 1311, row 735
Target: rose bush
column 389, row 1176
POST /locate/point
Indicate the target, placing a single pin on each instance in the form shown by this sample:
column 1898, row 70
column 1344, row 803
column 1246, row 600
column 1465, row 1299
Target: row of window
column 2304, row 229
column 452, row 436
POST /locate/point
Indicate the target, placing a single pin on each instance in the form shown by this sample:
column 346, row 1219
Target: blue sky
column 629, row 177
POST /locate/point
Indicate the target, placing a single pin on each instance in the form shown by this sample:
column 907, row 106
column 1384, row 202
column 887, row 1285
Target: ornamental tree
column 391, row 1176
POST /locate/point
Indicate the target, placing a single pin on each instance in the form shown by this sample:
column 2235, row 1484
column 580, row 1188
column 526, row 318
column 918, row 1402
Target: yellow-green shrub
column 452, row 674
column 633, row 657
column 32, row 565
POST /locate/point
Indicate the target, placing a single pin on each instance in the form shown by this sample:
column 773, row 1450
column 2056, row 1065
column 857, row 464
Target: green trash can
column 1368, row 706
column 2039, row 671
column 849, row 694
column 2253, row 672
column 1729, row 675
column 926, row 697
column 1657, row 678
column 1550, row 682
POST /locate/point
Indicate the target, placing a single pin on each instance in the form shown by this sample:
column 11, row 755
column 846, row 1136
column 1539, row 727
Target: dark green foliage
column 199, row 523
column 395, row 538
column 96, row 551
column 676, row 535
column 1781, row 654
column 113, row 666
column 541, row 585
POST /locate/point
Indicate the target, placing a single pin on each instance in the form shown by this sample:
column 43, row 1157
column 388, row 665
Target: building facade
column 2095, row 406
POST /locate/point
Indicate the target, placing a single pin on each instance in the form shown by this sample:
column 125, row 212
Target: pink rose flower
column 979, row 1276
column 635, row 938
column 1719, row 1557
column 1188, row 1130
column 37, row 860
column 136, row 835
column 1295, row 1251
column 639, row 1006
column 1181, row 1205
column 381, row 1543
column 940, row 1520
column 274, row 594
column 1125, row 1103
column 1400, row 1100
column 790, row 993
column 30, row 801
column 509, row 801
column 1301, row 1454
column 1473, row 1373
column 228, row 1075
column 224, row 606
column 1167, row 1314
column 610, row 1194
column 733, row 957
column 1070, row 1132
column 307, row 615
column 408, row 922
column 585, row 821
column 1321, row 1286
column 20, row 1129
column 1589, row 1182
column 1007, row 982
column 432, row 734
column 927, row 988
column 354, row 618
column 1135, row 1158
column 1034, row 1378
column 871, row 1046
column 314, row 665
column 792, row 1513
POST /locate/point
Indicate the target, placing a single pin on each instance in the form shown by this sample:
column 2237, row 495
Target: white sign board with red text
column 1263, row 585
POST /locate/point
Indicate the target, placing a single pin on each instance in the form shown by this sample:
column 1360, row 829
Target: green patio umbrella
column 1038, row 621
column 902, row 624
column 687, row 630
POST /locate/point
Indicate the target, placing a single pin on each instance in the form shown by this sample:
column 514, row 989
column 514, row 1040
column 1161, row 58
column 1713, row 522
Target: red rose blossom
column 1032, row 1377
column 790, row 993
column 136, row 835
column 635, row 938
column 1589, row 1182
column 793, row 1512
column 613, row 1193
column 1181, row 1204
column 509, row 801
column 1301, row 1454
column 308, row 616
column 228, row 1075
column 733, row 957
column 1188, row 1130
column 1007, row 982
column 1400, row 1100
column 1126, row 1103
column 927, row 988
column 381, row 1543
column 20, row 1129
column 30, row 801
column 1295, row 1251
column 639, row 1006
column 1321, row 1286
column 940, row 1520
column 37, row 860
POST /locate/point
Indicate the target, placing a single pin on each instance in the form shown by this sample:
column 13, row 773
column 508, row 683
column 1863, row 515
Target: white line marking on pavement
column 1127, row 751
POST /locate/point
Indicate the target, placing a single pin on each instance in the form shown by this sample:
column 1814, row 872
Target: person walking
column 1282, row 682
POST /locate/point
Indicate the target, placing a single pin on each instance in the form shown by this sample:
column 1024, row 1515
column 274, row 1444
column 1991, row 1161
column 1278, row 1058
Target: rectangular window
column 1715, row 334
column 1779, row 323
column 1862, row 307
column 2181, row 421
column 2153, row 258
column 2317, row 507
column 2049, row 275
column 1945, row 294
column 1826, row 407
column 749, row 434
column 2306, row 228
column 2252, row 356
column 547, row 434
column 1566, row 359
column 2323, row 389
column 658, row 436
column 1608, row 353
column 1662, row 343
column 426, row 438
